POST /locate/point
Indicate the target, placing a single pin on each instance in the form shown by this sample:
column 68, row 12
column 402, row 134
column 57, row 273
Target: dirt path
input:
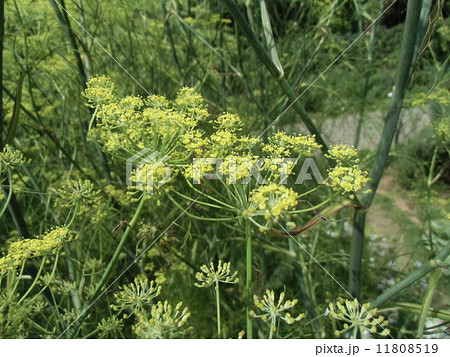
column 389, row 228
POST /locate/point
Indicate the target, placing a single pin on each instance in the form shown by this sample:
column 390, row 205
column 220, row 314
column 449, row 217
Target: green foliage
column 77, row 104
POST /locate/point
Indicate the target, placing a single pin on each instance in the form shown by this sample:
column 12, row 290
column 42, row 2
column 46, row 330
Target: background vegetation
column 50, row 49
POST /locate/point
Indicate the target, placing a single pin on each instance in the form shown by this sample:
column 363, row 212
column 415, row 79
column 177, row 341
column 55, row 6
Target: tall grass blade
column 16, row 111
column 432, row 283
column 268, row 34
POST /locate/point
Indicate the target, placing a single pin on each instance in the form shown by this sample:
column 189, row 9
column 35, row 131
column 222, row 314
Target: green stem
column 418, row 274
column 219, row 329
column 98, row 291
column 432, row 283
column 429, row 183
column 384, row 146
column 248, row 280
column 8, row 199
column 36, row 278
column 63, row 19
column 74, row 293
column 272, row 327
column 172, row 44
column 414, row 309
column 118, row 250
column 49, row 280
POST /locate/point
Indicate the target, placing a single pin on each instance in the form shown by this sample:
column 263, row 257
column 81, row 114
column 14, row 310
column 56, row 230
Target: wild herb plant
column 75, row 239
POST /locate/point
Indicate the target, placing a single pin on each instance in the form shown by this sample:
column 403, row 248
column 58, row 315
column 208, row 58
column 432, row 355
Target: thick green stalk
column 172, row 44
column 65, row 23
column 369, row 72
column 248, row 280
column 422, row 26
column 384, row 146
column 411, row 279
column 252, row 38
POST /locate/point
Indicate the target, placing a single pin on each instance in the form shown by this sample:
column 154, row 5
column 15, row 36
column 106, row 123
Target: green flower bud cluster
column 272, row 310
column 211, row 275
column 10, row 158
column 109, row 327
column 164, row 321
column 77, row 191
column 137, row 294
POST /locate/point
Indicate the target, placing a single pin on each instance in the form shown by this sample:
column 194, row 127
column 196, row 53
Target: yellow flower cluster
column 99, row 91
column 442, row 128
column 347, row 178
column 271, row 201
column 49, row 243
column 153, row 175
column 178, row 128
column 192, row 103
column 237, row 168
column 164, row 322
column 343, row 154
column 211, row 275
column 272, row 310
column 346, row 175
column 281, row 144
column 227, row 121
column 279, row 167
column 357, row 318
column 124, row 126
column 441, row 96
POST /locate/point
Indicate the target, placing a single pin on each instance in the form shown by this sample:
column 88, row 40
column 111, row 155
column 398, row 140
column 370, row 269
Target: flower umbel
column 271, row 201
column 165, row 321
column 212, row 275
column 49, row 243
column 137, row 294
column 77, row 191
column 273, row 311
column 11, row 158
column 357, row 318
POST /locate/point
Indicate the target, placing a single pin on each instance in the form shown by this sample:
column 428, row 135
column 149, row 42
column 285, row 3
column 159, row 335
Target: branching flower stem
column 74, row 330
